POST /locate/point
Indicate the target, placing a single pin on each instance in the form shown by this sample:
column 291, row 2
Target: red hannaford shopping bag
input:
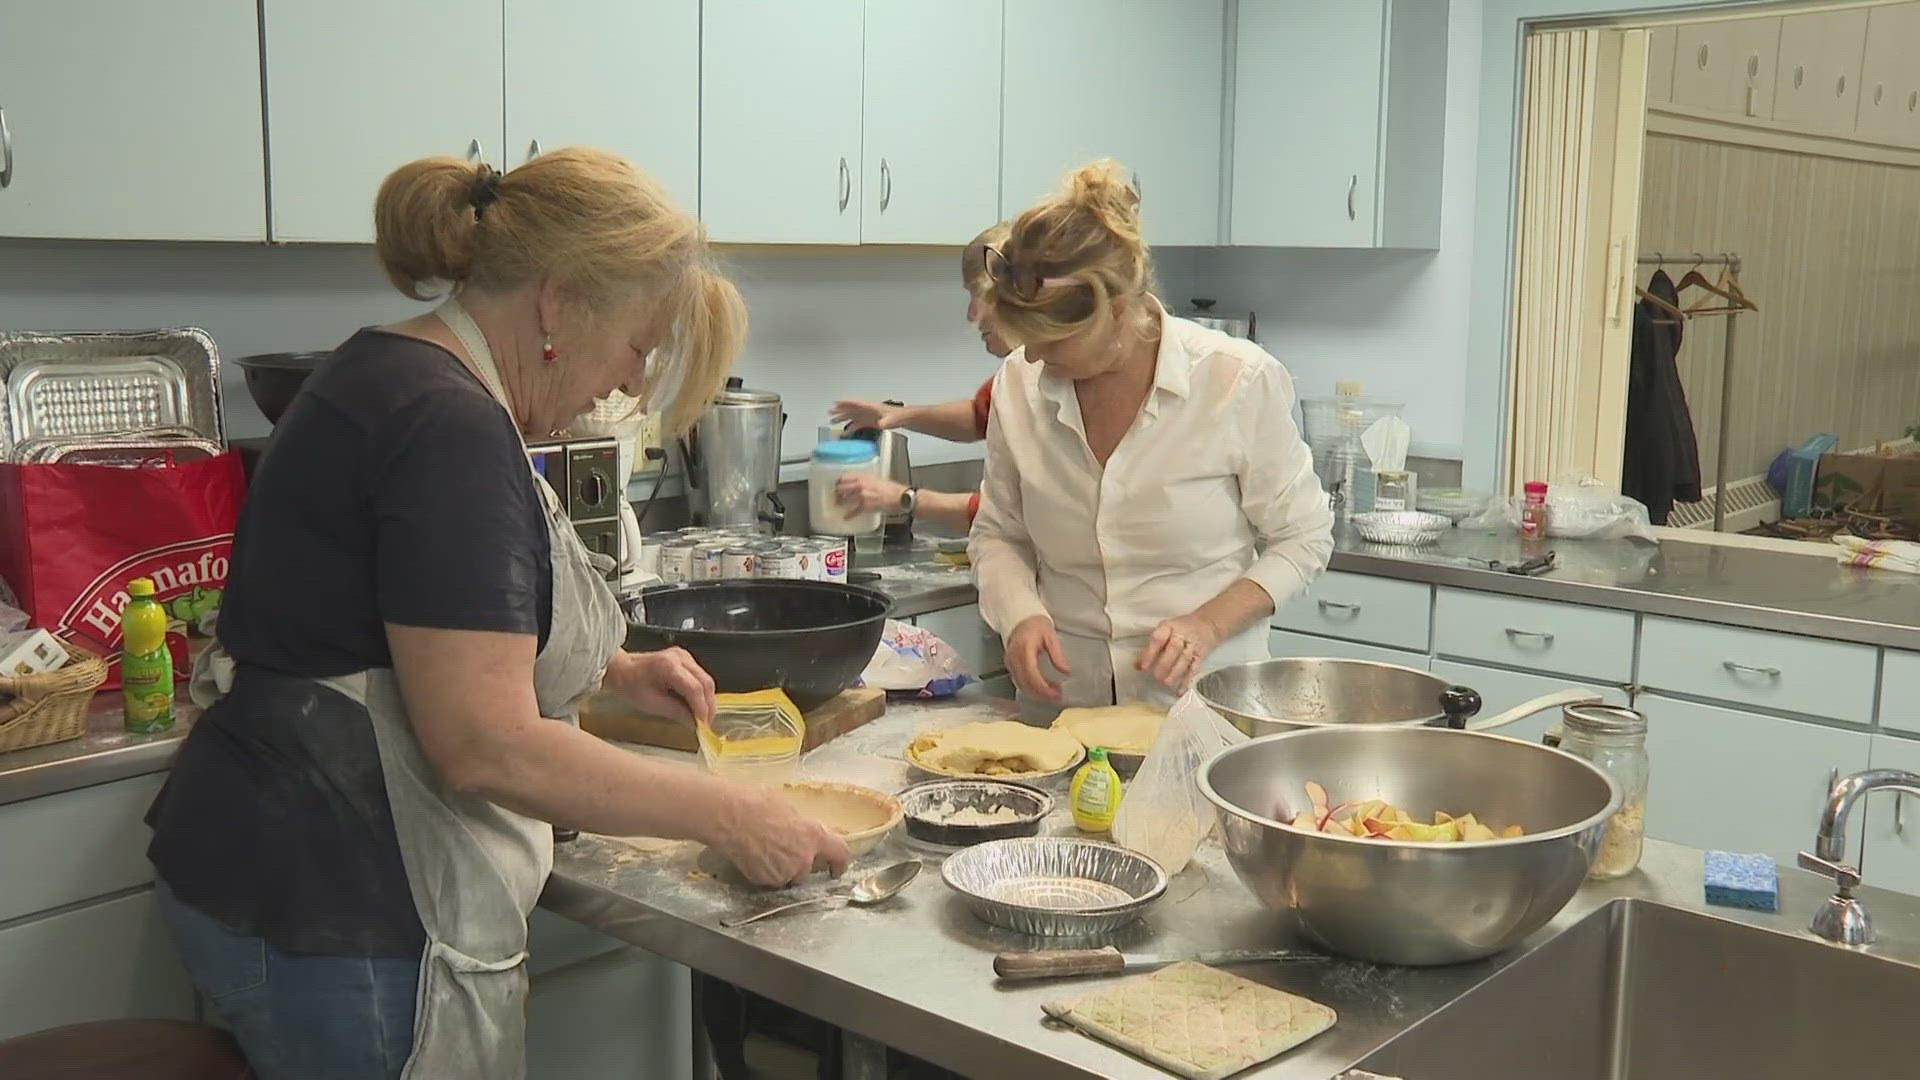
column 72, row 536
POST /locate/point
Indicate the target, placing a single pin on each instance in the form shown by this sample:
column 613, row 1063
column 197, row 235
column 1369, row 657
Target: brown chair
column 124, row 1050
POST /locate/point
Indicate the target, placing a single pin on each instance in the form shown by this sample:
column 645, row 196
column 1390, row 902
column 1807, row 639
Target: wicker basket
column 52, row 707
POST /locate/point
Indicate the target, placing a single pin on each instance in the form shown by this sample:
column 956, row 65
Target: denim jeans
column 298, row 1015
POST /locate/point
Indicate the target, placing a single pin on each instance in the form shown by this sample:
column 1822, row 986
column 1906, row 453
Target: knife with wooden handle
column 1065, row 963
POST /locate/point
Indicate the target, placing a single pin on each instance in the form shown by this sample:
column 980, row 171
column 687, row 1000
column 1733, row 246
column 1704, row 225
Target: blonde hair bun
column 1102, row 189
column 423, row 224
column 1069, row 257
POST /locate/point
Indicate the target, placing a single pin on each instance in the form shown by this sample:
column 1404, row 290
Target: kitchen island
column 916, row 973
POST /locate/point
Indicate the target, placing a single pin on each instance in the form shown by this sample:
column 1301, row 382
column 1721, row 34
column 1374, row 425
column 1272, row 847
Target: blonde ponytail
column 423, row 224
column 1069, row 256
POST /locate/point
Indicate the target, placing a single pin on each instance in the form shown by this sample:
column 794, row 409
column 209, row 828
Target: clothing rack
column 1732, row 262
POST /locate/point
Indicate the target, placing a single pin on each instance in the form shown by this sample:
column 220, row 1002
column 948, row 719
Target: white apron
column 1103, row 671
column 476, row 869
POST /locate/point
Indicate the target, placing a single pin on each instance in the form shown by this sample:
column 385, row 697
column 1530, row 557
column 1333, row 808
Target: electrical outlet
column 648, row 464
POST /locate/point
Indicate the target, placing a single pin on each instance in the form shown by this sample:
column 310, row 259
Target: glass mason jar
column 1614, row 738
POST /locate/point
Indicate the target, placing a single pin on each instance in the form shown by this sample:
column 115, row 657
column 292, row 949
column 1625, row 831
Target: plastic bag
column 914, row 660
column 1583, row 509
column 1163, row 815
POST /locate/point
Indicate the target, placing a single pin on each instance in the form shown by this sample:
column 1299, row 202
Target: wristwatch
column 909, row 499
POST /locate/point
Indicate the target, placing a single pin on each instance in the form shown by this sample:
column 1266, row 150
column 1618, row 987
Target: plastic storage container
column 1332, row 426
column 832, row 461
column 753, row 737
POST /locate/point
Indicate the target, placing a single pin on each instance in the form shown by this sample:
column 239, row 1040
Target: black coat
column 1662, row 460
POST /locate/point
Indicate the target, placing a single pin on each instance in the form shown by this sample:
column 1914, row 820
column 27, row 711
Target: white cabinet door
column 931, row 132
column 1292, row 644
column 1140, row 81
column 780, row 121
column 357, row 88
column 1662, row 44
column 1306, row 127
column 105, row 961
column 80, row 844
column 621, row 75
column 1501, row 690
column 1727, row 67
column 1891, row 859
column 1817, row 82
column 1739, row 781
column 131, row 120
column 1890, row 76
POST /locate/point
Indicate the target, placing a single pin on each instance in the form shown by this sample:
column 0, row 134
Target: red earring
column 546, row 351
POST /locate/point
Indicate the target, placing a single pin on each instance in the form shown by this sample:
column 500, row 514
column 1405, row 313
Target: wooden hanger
column 1661, row 303
column 1727, row 288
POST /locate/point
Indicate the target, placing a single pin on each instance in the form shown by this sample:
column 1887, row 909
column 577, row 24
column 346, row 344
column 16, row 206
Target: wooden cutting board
column 609, row 716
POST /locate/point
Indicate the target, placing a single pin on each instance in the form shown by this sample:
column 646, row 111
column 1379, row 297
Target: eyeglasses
column 1021, row 282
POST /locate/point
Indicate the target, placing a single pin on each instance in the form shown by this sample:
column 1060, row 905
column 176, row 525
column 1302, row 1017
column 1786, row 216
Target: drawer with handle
column 1592, row 643
column 1356, row 607
column 1900, row 694
column 1833, row 679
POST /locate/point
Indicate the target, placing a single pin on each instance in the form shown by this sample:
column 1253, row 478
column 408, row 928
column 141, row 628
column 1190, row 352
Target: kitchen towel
column 1195, row 1021
column 1901, row 555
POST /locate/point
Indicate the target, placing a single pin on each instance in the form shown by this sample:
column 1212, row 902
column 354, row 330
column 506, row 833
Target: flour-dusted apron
column 476, row 869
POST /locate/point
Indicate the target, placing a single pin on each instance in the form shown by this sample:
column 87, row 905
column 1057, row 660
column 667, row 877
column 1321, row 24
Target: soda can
column 707, row 559
column 833, row 558
column 777, row 560
column 676, row 560
column 738, row 561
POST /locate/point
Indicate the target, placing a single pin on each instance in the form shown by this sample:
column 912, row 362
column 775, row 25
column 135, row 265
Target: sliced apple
column 1476, row 831
column 1317, row 795
column 1304, row 820
column 1401, row 832
column 1512, row 831
column 1441, row 817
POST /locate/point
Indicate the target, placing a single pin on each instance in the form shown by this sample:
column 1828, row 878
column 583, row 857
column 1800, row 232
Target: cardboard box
column 1870, row 484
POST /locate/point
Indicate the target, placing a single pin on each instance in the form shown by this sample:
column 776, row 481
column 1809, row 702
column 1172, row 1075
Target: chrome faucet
column 1843, row 919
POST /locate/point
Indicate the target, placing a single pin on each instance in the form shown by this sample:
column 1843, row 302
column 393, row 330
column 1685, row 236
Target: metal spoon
column 880, row 885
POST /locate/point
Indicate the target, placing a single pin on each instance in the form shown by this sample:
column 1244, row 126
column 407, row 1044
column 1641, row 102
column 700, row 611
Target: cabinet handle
column 1879, row 93
column 886, row 185
column 1537, row 635
column 6, row 152
column 1340, row 606
column 846, row 184
column 1799, row 76
column 1749, row 669
column 1753, row 66
column 474, row 150
column 1139, row 192
column 1353, row 186
column 1840, row 86
column 1700, row 58
column 533, row 149
column 1913, row 105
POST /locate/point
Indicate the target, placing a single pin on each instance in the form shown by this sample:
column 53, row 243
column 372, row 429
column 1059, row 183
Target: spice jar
column 1614, row 738
column 1533, row 512
column 1394, row 489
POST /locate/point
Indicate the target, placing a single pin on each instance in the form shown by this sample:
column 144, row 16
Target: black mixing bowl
column 809, row 638
column 274, row 378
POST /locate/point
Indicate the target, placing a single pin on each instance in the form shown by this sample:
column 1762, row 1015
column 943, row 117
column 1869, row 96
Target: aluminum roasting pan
column 190, row 349
column 1055, row 886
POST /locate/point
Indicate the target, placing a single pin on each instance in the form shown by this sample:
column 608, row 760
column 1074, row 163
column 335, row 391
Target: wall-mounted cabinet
column 573, row 77
column 124, row 119
column 356, row 88
column 1817, row 78
column 1139, row 81
column 1890, row 76
column 1663, row 43
column 1727, row 67
column 1338, row 123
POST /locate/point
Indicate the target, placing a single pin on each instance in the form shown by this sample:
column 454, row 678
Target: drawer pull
column 1749, row 669
column 1340, row 606
column 1531, row 635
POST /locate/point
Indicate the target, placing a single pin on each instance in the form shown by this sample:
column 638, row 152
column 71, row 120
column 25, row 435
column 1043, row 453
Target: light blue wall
column 872, row 321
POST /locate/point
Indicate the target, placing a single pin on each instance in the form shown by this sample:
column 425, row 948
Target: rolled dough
column 996, row 748
column 1122, row 729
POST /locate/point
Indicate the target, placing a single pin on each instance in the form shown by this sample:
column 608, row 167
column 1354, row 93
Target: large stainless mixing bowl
column 1405, row 902
column 1263, row 697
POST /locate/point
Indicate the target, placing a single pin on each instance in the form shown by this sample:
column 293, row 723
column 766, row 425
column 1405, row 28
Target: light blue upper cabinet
column 356, row 88
column 780, row 159
column 1338, row 115
column 931, row 157
column 621, row 75
column 1140, row 81
column 127, row 119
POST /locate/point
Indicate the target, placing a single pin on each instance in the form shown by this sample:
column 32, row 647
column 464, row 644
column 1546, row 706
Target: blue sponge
column 1742, row 881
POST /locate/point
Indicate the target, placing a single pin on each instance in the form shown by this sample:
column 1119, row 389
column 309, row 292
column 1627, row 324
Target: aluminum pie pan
column 1055, row 886
column 129, row 452
column 923, row 803
column 1402, row 528
column 189, row 349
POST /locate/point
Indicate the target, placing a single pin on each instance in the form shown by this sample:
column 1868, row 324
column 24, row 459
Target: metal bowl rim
column 1419, row 721
column 1045, row 798
column 1614, row 797
column 886, row 604
column 1158, row 889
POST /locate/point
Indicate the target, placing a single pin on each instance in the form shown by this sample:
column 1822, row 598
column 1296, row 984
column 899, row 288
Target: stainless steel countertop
column 105, row 752
column 1769, row 590
column 916, row 581
column 916, row 973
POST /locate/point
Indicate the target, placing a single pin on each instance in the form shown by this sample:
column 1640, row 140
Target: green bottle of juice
column 1095, row 793
column 146, row 665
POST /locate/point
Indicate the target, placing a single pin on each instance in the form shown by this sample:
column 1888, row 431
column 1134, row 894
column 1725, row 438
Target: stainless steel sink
column 1644, row 991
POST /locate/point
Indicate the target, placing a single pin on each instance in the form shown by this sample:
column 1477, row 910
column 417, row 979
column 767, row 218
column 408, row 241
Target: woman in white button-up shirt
column 1148, row 500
